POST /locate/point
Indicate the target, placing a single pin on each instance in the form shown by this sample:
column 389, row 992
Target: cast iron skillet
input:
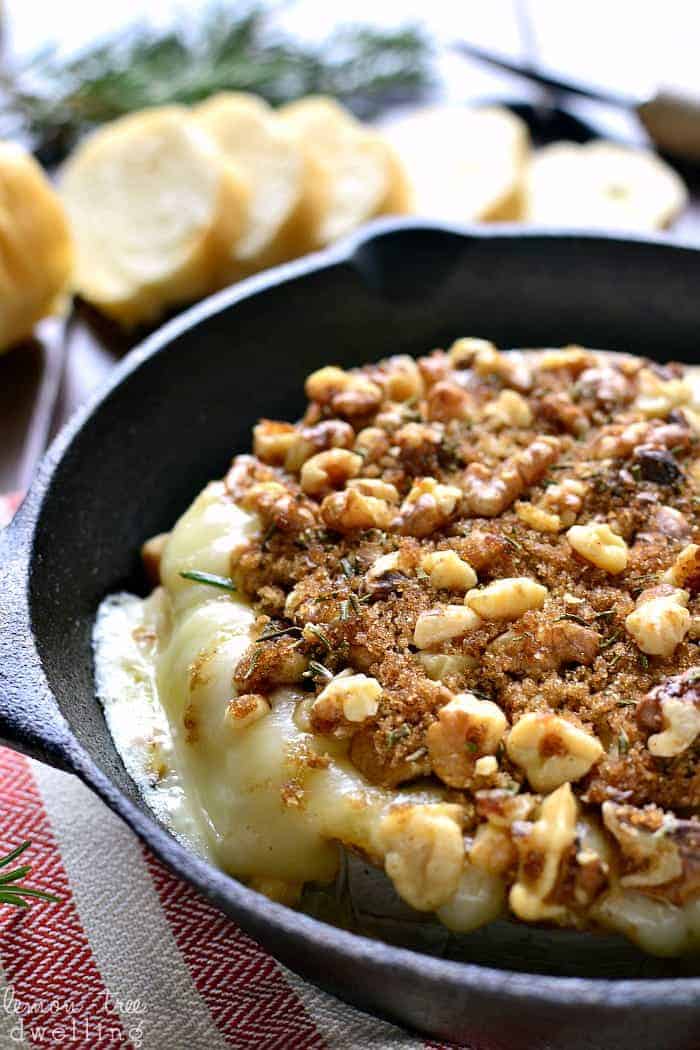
column 172, row 416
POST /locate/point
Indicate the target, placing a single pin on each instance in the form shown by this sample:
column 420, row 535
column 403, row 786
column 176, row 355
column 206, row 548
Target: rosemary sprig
column 54, row 100
column 317, row 670
column 224, row 583
column 11, row 890
column 323, row 639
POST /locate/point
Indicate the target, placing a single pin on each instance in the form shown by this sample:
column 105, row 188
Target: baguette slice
column 284, row 201
column 602, row 184
column 36, row 251
column 154, row 212
column 358, row 173
column 463, row 164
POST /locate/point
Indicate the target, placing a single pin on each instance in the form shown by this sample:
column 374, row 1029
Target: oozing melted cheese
column 164, row 670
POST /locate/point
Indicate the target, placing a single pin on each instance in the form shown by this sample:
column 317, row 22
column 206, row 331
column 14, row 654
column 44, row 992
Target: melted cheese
column 228, row 790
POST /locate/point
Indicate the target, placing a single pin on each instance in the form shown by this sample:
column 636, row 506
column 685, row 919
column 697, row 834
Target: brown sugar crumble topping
column 484, row 567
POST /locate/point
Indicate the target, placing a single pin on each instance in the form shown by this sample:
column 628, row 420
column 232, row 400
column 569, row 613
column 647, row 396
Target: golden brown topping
column 551, row 750
column 657, row 397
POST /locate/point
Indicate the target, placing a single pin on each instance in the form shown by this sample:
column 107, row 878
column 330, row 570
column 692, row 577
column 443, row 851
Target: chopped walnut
column 466, row 729
column 506, row 599
column 427, row 507
column 350, row 511
column 442, row 623
column 423, row 852
column 543, row 849
column 509, row 409
column 345, row 702
column 657, row 397
column 272, row 440
column 376, row 488
column 551, row 750
column 447, row 571
column 446, row 401
column 671, row 711
column 488, row 495
column 659, row 624
column 309, row 440
column 685, row 571
column 329, row 470
column 598, row 544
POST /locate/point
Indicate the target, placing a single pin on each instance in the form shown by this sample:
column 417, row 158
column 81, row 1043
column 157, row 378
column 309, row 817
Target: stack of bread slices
column 171, row 203
column 164, row 206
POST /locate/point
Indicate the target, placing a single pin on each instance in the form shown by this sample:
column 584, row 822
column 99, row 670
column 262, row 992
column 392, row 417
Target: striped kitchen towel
column 132, row 956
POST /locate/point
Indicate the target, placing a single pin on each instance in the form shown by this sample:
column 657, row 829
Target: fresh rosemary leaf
column 572, row 616
column 319, row 634
column 347, row 567
column 611, row 640
column 224, row 583
column 54, row 100
column 267, row 635
column 344, row 609
column 317, row 670
column 11, row 891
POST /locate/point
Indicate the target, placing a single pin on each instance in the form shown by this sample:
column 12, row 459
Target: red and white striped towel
column 132, row 956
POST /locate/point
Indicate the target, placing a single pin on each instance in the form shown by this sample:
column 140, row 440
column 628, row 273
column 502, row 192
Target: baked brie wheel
column 447, row 621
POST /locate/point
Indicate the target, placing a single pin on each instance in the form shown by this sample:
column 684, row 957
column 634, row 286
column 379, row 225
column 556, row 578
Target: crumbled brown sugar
column 578, row 445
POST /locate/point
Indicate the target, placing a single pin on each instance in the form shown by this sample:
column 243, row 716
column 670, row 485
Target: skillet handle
column 30, row 720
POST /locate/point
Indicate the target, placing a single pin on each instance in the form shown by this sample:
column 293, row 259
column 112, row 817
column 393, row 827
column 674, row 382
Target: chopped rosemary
column 268, row 534
column 605, row 614
column 644, row 661
column 395, row 735
column 319, row 634
column 267, row 635
column 513, row 543
column 253, row 663
column 317, row 670
column 11, row 890
column 344, row 609
column 415, row 755
column 347, row 567
column 626, row 703
column 224, row 583
column 611, row 640
column 470, row 745
column 574, row 617
column 623, row 742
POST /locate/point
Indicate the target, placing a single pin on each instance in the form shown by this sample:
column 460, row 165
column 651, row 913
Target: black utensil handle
column 30, row 720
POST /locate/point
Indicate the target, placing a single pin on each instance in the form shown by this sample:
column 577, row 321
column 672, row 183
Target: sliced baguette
column 284, row 200
column 463, row 164
column 154, row 211
column 36, row 251
column 358, row 173
column 602, row 184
